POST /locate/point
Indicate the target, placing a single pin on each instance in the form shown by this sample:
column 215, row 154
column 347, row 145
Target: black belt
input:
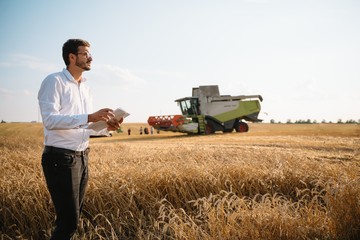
column 50, row 149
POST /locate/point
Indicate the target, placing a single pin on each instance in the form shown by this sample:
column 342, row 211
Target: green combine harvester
column 206, row 112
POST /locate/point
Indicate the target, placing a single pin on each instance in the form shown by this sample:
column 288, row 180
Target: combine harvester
column 207, row 112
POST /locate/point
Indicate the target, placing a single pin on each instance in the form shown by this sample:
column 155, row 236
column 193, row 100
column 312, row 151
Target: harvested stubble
column 224, row 186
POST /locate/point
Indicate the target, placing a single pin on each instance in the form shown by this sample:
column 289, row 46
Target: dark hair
column 71, row 46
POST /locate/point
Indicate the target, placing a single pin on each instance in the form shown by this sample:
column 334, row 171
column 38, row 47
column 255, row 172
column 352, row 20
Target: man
column 66, row 108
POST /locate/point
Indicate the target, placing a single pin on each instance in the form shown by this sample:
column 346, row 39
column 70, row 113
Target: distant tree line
column 309, row 121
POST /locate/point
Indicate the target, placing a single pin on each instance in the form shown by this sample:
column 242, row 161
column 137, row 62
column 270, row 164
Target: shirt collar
column 70, row 77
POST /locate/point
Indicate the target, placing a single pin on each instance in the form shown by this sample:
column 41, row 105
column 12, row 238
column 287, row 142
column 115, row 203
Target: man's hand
column 114, row 124
column 104, row 114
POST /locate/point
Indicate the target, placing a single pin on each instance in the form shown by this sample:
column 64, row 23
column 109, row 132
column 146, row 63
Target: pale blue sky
column 302, row 56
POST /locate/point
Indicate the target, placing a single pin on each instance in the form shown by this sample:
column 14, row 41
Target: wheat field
column 278, row 181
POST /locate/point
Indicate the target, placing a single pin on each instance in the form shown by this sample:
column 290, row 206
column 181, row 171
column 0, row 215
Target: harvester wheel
column 241, row 127
column 209, row 128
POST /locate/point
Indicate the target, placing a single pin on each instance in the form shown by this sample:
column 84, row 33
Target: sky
column 302, row 56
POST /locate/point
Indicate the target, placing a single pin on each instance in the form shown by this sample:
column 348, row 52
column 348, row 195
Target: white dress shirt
column 64, row 106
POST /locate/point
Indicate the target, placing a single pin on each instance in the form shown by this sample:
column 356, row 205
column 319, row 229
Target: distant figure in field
column 146, row 130
column 129, row 131
column 141, row 130
column 152, row 130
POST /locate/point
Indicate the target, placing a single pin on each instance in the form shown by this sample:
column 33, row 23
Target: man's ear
column 72, row 57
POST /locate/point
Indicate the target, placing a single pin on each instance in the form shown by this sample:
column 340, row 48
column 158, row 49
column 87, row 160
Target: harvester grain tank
column 206, row 112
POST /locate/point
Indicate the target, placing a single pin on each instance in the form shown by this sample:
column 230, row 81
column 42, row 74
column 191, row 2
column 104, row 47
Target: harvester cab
column 206, row 112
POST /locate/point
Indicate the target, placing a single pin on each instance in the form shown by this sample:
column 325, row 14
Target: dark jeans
column 66, row 174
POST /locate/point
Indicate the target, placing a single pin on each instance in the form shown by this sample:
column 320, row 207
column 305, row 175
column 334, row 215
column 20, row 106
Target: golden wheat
column 275, row 182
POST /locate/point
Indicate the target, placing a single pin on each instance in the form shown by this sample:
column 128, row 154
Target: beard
column 83, row 65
